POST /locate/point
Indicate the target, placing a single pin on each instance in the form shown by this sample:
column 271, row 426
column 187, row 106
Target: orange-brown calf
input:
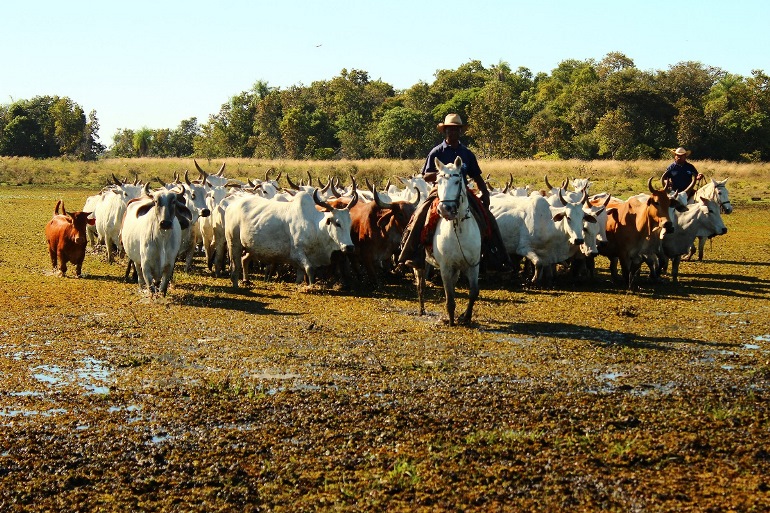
column 66, row 236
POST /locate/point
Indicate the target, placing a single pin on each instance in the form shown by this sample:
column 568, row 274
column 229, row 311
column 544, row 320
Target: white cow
column 701, row 219
column 109, row 214
column 543, row 234
column 293, row 232
column 214, row 197
column 152, row 232
column 715, row 191
column 195, row 199
column 90, row 206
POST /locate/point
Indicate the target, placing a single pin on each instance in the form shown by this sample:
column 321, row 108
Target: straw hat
column 451, row 120
column 681, row 151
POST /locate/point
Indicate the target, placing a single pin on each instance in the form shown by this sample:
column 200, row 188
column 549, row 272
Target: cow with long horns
column 302, row 232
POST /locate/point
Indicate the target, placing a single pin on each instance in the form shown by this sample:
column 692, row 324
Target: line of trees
column 49, row 126
column 583, row 109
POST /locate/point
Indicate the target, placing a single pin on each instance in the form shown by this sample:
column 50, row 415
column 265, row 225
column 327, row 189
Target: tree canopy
column 583, row 109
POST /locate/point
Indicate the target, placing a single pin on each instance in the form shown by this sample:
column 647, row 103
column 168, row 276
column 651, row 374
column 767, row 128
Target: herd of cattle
column 352, row 229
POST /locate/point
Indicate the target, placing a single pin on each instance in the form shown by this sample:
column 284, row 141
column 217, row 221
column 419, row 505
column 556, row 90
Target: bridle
column 457, row 202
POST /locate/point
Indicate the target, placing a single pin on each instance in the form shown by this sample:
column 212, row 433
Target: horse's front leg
column 449, row 278
column 419, row 278
column 473, row 294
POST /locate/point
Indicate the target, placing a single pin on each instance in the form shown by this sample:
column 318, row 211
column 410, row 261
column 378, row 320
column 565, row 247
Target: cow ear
column 558, row 217
column 183, row 215
column 384, row 220
column 589, row 218
column 143, row 209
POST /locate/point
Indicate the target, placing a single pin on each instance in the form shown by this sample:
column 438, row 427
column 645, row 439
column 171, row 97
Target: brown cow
column 66, row 236
column 376, row 229
column 635, row 227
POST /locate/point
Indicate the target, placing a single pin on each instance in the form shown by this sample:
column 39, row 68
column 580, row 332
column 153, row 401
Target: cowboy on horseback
column 413, row 242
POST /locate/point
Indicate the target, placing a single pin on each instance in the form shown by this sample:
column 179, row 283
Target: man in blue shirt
column 680, row 173
column 493, row 250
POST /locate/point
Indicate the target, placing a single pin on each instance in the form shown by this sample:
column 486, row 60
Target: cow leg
column 165, row 278
column 79, row 264
column 236, row 253
column 701, row 245
column 675, row 269
column 62, row 264
column 54, row 259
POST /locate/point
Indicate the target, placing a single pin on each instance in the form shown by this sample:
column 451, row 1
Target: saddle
column 480, row 213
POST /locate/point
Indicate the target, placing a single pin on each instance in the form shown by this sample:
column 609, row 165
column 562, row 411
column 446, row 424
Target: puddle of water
column 610, row 376
column 750, row 346
column 91, row 375
column 156, row 439
column 649, row 388
column 275, row 375
column 762, row 338
column 30, row 413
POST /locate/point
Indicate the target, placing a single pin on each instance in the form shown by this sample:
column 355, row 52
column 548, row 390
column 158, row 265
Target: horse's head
column 451, row 189
column 722, row 196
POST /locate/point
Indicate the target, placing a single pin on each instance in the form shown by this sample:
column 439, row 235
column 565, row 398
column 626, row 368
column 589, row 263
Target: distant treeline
column 583, row 109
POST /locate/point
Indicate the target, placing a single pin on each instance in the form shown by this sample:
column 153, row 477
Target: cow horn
column 187, row 177
column 585, row 197
column 115, row 179
column 649, row 186
column 63, row 210
column 692, row 184
column 325, row 188
column 201, row 171
column 547, row 183
column 267, row 174
column 147, row 189
column 377, row 200
column 221, row 169
column 291, row 184
column 565, row 183
column 354, row 188
column 320, row 203
column 388, row 184
column 136, row 178
column 561, row 198
column 417, row 201
column 310, row 179
column 354, row 200
column 161, row 182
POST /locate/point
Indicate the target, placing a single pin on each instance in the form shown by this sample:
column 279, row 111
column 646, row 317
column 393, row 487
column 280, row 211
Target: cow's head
column 78, row 220
column 594, row 227
column 336, row 221
column 570, row 217
column 394, row 216
column 195, row 195
column 714, row 217
column 167, row 206
column 658, row 205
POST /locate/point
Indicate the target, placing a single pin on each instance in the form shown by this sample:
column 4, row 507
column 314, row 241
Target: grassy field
column 579, row 397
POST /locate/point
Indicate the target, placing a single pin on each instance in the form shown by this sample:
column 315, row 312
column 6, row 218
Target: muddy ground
column 578, row 397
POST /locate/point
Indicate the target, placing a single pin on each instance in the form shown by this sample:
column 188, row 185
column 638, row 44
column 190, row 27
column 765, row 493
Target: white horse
column 715, row 191
column 456, row 241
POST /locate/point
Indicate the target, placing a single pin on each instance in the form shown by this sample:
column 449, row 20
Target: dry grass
column 617, row 177
column 575, row 398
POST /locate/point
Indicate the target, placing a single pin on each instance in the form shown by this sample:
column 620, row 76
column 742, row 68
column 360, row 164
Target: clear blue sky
column 154, row 63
